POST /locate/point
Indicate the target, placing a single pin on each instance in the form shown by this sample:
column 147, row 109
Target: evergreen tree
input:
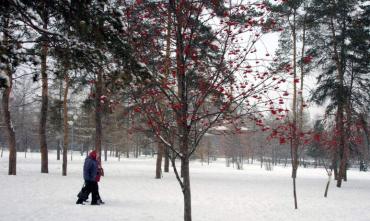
column 12, row 54
column 344, row 68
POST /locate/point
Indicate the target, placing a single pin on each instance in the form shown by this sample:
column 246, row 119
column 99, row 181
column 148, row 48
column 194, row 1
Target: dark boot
column 95, row 203
column 80, row 201
column 101, row 201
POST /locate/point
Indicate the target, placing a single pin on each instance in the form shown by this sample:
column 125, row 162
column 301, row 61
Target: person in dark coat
column 90, row 171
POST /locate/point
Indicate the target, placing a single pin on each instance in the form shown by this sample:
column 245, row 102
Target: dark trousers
column 90, row 187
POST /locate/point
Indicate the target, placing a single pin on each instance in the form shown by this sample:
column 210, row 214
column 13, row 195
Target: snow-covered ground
column 218, row 193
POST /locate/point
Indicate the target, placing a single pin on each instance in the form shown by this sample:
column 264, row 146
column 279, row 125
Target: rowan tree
column 215, row 76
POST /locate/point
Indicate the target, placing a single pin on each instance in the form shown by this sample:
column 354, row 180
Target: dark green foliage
column 352, row 46
column 316, row 148
column 55, row 117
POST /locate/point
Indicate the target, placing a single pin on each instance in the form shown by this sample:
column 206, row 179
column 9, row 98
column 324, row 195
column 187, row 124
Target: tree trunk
column 105, row 153
column 295, row 194
column 25, row 151
column 182, row 169
column 158, row 169
column 116, row 152
column 302, row 75
column 340, row 109
column 166, row 160
column 209, row 152
column 186, row 190
column 11, row 134
column 366, row 133
column 137, row 151
column 9, row 128
column 98, row 113
column 58, row 149
column 23, row 139
column 7, row 117
column 327, row 184
column 44, row 98
column 82, row 149
column 342, row 147
column 72, row 141
column 261, row 161
column 60, row 114
column 65, row 126
column 334, row 166
column 183, row 127
column 168, row 63
column 294, row 141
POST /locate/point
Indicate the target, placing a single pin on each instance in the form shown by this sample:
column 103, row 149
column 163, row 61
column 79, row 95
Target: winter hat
column 93, row 154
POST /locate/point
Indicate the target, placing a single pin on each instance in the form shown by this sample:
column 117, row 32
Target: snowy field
column 218, row 193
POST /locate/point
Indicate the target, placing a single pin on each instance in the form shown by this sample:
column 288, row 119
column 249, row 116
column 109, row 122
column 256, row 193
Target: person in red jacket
column 90, row 172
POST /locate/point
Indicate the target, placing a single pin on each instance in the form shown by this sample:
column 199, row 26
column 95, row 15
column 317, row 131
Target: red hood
column 93, row 155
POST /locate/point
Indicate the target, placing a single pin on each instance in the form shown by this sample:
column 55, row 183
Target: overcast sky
column 269, row 43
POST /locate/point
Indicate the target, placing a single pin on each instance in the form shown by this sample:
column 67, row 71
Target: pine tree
column 7, row 83
column 343, row 76
column 12, row 54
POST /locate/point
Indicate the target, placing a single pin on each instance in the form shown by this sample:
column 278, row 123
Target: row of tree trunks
column 44, row 102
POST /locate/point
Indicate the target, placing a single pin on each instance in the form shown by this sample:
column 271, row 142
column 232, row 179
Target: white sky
column 269, row 42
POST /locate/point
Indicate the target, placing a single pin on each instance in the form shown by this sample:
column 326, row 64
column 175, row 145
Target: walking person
column 90, row 171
